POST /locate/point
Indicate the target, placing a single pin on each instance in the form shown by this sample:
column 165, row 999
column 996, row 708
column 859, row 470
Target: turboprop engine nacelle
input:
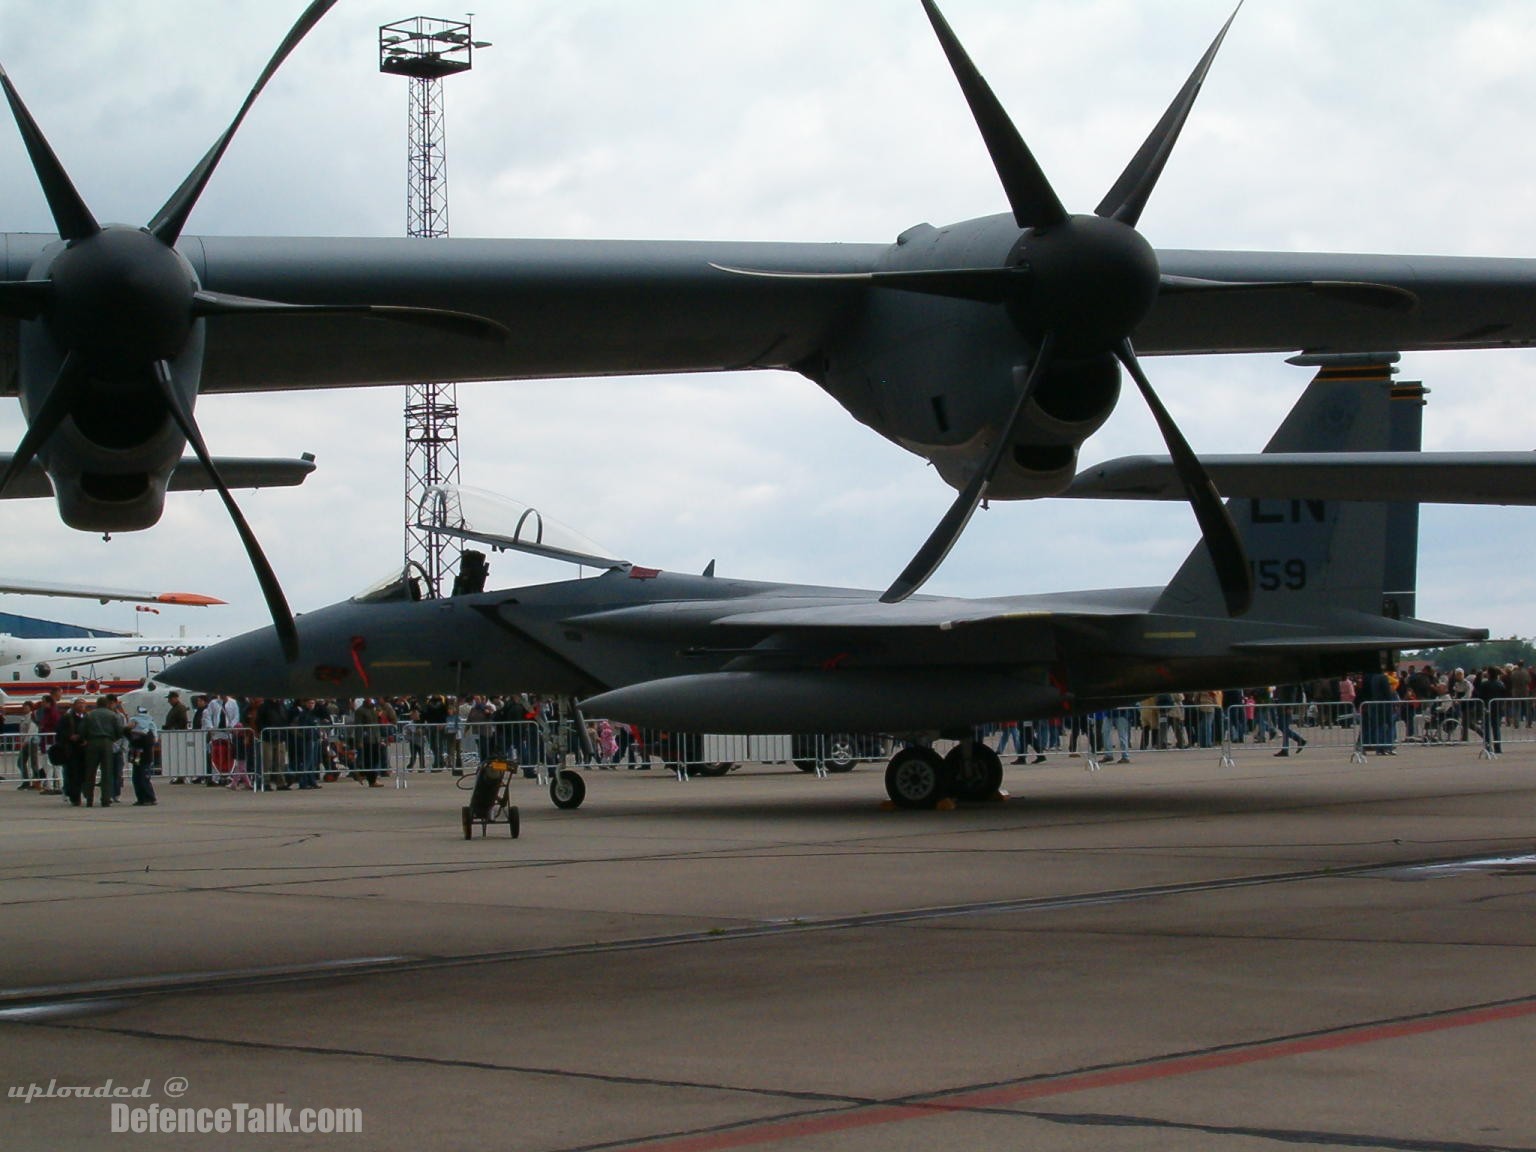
column 110, row 461
column 1070, row 405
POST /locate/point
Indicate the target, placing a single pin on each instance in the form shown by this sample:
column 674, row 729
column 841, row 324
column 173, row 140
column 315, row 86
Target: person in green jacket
column 102, row 728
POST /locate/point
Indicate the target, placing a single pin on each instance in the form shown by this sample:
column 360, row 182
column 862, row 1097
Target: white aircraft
column 92, row 665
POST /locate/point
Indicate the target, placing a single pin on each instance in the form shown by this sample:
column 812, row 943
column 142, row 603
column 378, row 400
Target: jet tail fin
column 1312, row 558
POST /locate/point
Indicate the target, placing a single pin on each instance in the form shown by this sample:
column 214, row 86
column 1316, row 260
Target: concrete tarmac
column 1168, row 954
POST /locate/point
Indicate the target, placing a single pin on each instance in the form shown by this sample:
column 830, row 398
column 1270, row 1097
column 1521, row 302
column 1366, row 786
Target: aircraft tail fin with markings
column 1313, row 557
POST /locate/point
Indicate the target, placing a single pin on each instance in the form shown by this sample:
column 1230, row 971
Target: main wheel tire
column 514, row 821
column 567, row 790
column 717, row 769
column 975, row 777
column 805, row 765
column 469, row 822
column 916, row 778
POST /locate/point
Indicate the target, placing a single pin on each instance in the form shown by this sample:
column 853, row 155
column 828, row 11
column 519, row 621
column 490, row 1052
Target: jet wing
column 1423, row 477
column 86, row 592
column 188, row 476
column 943, row 613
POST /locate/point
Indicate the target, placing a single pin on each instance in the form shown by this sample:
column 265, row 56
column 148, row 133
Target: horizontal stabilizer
column 1423, row 477
column 1387, row 634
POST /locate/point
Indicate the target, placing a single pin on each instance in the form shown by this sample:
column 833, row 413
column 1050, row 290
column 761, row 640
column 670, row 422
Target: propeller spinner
column 117, row 308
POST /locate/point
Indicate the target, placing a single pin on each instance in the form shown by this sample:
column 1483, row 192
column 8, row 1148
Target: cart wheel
column 468, row 822
column 514, row 822
column 567, row 790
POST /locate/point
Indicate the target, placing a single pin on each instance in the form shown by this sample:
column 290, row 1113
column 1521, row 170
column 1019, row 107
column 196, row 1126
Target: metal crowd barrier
column 1384, row 727
column 299, row 755
column 1512, row 721
column 24, row 758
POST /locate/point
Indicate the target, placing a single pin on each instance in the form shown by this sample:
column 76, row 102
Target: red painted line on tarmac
column 774, row 1132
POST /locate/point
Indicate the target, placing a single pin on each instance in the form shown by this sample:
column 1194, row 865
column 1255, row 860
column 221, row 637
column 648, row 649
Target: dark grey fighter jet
column 993, row 346
column 705, row 653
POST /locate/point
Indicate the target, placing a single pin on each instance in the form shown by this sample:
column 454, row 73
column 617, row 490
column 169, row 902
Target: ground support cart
column 491, row 801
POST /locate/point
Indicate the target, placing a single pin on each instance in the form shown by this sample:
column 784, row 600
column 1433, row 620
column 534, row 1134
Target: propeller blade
column 206, row 303
column 1387, row 297
column 24, row 299
column 170, row 220
column 277, row 604
column 56, row 406
column 948, row 530
column 1029, row 193
column 73, row 218
column 1125, row 201
column 1221, row 538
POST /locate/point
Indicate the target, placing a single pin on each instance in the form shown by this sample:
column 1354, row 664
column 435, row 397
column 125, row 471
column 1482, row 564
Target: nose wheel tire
column 916, row 778
column 567, row 790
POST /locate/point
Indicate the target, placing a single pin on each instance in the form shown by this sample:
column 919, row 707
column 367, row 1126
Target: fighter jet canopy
column 505, row 524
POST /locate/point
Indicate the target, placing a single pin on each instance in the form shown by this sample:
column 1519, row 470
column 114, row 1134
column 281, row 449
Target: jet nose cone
column 248, row 665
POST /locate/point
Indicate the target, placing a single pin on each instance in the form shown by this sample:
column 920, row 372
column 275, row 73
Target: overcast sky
column 1325, row 125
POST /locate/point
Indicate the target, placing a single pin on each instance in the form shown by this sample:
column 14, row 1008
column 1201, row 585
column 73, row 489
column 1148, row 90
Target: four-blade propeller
column 117, row 313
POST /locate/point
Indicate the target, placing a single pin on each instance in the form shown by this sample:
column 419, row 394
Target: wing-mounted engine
column 111, row 351
column 934, row 373
column 1069, row 286
column 110, row 459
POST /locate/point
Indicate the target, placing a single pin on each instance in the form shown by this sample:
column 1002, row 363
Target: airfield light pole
column 425, row 50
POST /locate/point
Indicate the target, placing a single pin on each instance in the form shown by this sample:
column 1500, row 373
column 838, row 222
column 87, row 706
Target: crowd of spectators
column 305, row 744
column 1417, row 705
column 90, row 743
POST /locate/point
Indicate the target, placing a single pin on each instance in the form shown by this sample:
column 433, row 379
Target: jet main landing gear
column 918, row 777
column 975, row 771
